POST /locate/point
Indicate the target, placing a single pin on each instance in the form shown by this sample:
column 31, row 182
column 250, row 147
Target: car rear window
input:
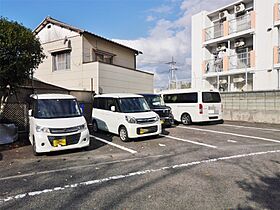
column 211, row 97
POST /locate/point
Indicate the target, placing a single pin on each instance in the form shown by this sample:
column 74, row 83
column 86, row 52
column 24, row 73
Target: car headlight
column 157, row 118
column 42, row 129
column 83, row 127
column 130, row 119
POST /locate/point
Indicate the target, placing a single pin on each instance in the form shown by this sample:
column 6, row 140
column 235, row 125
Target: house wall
column 124, row 57
column 120, row 77
column 114, row 79
column 72, row 78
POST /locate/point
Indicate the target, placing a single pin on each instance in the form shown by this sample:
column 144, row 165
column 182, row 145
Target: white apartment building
column 236, row 48
column 77, row 59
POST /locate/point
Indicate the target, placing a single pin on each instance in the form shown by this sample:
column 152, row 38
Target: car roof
column 52, row 96
column 118, row 95
column 186, row 91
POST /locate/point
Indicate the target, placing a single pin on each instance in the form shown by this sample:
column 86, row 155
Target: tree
column 20, row 55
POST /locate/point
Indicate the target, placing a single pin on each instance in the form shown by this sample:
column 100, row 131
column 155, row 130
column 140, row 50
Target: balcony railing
column 213, row 65
column 214, row 32
column 240, row 23
column 240, row 61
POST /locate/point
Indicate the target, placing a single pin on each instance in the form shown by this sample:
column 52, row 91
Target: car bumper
column 142, row 130
column 44, row 141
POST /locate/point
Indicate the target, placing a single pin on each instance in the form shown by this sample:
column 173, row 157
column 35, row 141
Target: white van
column 56, row 123
column 127, row 115
column 194, row 106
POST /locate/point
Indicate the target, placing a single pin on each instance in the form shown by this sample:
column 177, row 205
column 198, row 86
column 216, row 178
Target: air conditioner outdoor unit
column 223, row 15
column 239, row 43
column 221, row 47
column 239, row 8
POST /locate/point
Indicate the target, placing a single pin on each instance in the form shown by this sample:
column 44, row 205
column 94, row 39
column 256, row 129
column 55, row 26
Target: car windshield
column 130, row 105
column 154, row 101
column 57, row 108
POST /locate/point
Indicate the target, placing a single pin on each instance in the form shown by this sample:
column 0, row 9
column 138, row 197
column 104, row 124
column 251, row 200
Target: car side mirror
column 30, row 112
column 113, row 108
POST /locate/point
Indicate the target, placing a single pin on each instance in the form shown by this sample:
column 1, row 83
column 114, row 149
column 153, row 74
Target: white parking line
column 189, row 141
column 231, row 141
column 114, row 145
column 232, row 134
column 137, row 173
column 240, row 126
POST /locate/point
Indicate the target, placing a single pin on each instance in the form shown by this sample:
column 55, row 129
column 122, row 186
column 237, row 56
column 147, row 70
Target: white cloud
column 150, row 18
column 170, row 38
column 162, row 9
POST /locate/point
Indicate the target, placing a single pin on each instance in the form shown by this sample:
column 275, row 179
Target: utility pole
column 173, row 77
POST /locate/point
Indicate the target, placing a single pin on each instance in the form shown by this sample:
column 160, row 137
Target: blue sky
column 119, row 19
column 161, row 29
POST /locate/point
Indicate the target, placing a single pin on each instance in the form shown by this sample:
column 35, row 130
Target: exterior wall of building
column 114, row 79
column 258, row 60
column 71, row 78
column 123, row 57
column 84, row 74
column 198, row 23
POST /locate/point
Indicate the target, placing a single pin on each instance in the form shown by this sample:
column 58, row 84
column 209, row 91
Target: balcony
column 214, row 32
column 213, row 65
column 239, row 61
column 231, row 27
column 241, row 23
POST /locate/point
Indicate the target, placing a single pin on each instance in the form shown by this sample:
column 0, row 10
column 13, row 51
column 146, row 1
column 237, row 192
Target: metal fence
column 16, row 113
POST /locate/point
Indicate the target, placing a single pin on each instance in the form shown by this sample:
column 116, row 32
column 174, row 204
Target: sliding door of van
column 181, row 103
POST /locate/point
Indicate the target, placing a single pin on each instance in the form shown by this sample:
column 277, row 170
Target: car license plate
column 143, row 130
column 210, row 111
column 61, row 142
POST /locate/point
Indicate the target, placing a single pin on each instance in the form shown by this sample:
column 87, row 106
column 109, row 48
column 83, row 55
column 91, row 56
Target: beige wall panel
column 117, row 79
column 124, row 57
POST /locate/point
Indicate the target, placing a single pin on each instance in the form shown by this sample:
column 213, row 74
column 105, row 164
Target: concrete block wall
column 255, row 106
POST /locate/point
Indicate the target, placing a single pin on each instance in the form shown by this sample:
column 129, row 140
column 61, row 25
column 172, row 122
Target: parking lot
column 211, row 166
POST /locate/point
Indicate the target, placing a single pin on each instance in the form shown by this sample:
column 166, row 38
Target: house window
column 61, row 60
column 101, row 56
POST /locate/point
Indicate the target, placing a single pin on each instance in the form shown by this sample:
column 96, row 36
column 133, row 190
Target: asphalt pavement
column 234, row 165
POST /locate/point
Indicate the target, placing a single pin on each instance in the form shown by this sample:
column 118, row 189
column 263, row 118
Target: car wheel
column 123, row 134
column 94, row 126
column 186, row 119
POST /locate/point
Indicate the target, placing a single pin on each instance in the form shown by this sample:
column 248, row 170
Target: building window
column 61, row 60
column 102, row 56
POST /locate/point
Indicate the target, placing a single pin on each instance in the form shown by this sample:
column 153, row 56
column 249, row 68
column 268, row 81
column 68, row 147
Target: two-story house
column 80, row 60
